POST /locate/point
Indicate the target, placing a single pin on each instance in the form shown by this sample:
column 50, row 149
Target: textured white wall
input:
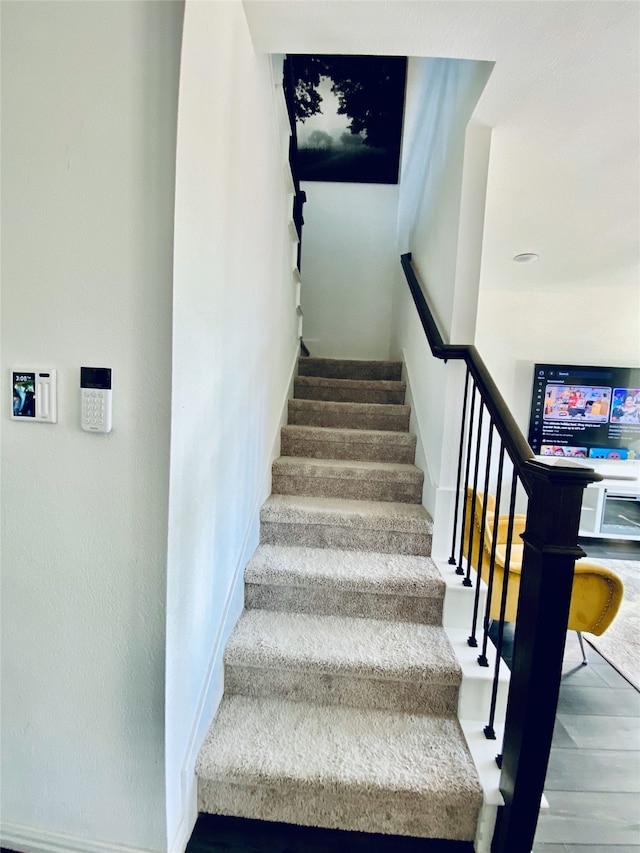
column 598, row 322
column 440, row 222
column 348, row 265
column 234, row 349
column 443, row 95
column 593, row 318
column 89, row 101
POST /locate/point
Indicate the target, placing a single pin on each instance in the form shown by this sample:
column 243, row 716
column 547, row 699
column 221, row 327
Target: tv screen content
column 585, row 412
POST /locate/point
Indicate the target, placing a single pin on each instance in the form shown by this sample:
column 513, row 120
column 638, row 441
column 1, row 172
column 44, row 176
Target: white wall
column 440, row 220
column 348, row 266
column 594, row 322
column 442, row 94
column 89, row 100
column 580, row 302
column 234, row 349
column 475, row 166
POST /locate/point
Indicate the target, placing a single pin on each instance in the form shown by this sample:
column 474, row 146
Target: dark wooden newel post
column 550, row 552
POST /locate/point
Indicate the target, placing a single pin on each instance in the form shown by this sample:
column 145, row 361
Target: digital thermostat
column 34, row 396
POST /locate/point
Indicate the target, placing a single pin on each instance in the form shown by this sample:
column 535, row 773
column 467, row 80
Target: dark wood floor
column 234, row 835
column 593, row 780
column 611, row 549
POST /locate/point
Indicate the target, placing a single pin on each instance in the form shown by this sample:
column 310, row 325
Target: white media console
column 611, row 508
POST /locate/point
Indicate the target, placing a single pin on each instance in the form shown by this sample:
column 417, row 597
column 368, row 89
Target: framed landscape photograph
column 348, row 112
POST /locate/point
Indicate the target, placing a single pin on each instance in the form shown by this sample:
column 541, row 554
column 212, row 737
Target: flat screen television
column 585, row 412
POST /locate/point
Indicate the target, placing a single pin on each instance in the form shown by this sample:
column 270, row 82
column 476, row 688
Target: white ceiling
column 564, row 102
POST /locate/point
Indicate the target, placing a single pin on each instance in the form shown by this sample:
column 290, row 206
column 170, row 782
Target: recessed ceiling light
column 526, row 258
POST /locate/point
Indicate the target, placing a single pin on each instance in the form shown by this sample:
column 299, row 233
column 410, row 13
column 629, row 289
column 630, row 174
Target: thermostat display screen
column 24, row 395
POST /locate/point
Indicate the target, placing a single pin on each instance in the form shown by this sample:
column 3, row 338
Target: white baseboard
column 443, row 516
column 26, row 839
column 477, row 681
column 459, row 600
column 189, row 799
column 438, row 500
column 484, row 753
column 474, row 702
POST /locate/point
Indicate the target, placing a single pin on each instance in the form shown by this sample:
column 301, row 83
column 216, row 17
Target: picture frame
column 349, row 113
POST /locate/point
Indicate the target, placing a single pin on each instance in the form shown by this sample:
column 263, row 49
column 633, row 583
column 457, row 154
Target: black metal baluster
column 460, row 570
column 452, row 559
column 482, row 658
column 489, row 729
column 467, row 581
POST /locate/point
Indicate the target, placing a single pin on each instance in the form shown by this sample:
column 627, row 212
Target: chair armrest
column 519, row 523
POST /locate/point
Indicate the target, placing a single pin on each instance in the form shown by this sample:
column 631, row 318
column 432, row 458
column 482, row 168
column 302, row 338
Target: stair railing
column 299, row 196
column 543, row 500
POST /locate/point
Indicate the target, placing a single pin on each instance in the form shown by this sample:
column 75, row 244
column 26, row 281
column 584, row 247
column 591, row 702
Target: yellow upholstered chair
column 597, row 591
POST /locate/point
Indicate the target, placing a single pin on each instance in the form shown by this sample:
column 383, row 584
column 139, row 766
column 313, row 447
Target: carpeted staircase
column 341, row 687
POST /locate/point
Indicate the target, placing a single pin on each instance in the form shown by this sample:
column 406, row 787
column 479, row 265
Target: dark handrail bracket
column 554, row 499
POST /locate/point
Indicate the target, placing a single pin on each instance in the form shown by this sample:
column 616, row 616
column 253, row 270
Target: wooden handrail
column 438, row 347
column 514, row 441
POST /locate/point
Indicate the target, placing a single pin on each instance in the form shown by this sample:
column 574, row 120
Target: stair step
column 343, row 478
column 336, row 368
column 341, row 686
column 349, row 390
column 366, row 663
column 338, row 582
column 347, row 768
column 358, row 444
column 339, row 523
column 368, row 416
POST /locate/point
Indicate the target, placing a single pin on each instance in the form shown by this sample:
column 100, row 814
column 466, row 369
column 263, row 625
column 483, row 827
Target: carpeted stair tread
column 349, row 390
column 340, row 582
column 380, row 515
column 346, row 571
column 350, row 369
column 349, row 415
column 340, row 468
column 336, row 645
column 341, row 443
column 353, row 768
column 353, row 747
column 318, row 522
column 362, row 480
